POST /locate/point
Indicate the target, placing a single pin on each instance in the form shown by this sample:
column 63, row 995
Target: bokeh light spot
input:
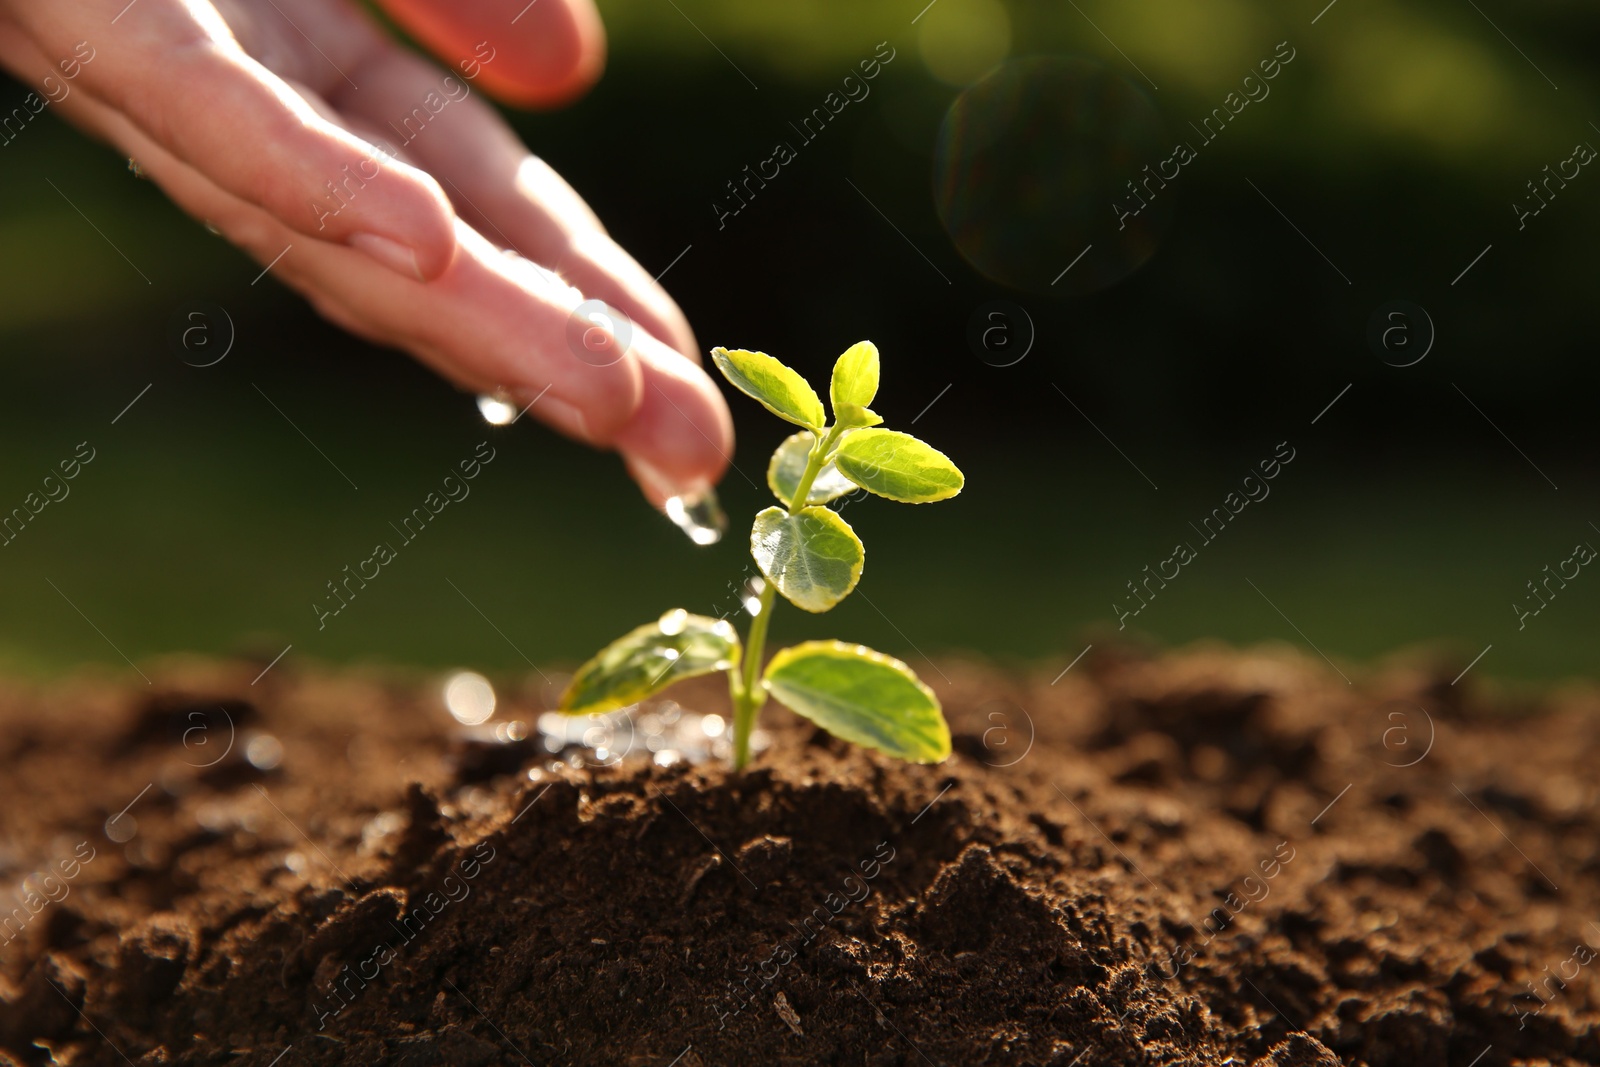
column 961, row 40
column 469, row 698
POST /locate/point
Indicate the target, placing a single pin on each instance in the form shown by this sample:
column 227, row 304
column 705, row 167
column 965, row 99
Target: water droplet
column 701, row 517
column 264, row 752
column 672, row 623
column 470, row 697
column 713, row 725
column 121, row 828
column 751, row 596
column 498, row 408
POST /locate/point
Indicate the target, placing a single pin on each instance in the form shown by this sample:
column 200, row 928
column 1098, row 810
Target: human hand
column 397, row 192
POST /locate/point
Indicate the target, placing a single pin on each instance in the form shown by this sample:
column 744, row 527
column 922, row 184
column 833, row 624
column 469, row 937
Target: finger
column 535, row 54
column 178, row 75
column 680, row 440
column 487, row 323
column 490, row 321
column 510, row 196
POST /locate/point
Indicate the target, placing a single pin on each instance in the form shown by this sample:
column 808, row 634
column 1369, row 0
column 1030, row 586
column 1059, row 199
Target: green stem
column 744, row 684
column 749, row 696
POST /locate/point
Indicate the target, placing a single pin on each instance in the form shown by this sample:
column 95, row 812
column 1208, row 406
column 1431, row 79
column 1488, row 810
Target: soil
column 1206, row 857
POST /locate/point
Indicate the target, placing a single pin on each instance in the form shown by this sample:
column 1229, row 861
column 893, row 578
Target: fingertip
column 596, row 405
column 494, row 321
column 680, row 440
column 540, row 54
column 656, row 487
column 591, row 401
column 558, row 60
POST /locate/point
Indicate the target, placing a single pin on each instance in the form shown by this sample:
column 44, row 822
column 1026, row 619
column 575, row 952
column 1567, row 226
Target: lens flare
column 1038, row 168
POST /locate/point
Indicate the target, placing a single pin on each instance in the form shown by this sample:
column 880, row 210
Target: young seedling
column 810, row 555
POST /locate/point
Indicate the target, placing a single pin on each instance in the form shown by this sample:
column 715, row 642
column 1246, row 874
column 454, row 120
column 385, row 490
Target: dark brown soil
column 1205, row 858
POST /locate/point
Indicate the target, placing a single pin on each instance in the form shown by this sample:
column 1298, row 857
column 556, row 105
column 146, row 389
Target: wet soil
column 1207, row 857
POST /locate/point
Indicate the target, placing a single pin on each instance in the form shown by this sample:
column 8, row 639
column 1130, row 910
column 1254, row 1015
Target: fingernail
column 392, row 254
column 660, row 487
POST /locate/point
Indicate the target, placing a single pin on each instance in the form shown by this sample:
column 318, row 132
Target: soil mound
column 1206, row 858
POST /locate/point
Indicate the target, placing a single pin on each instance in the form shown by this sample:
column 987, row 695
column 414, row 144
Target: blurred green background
column 1396, row 142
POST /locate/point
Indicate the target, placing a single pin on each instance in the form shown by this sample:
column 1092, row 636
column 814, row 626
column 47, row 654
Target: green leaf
column 788, row 466
column 779, row 389
column 898, row 466
column 855, row 377
column 812, row 556
column 854, row 415
column 650, row 658
column 862, row 696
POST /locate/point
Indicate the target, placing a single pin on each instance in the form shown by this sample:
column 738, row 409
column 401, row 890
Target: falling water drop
column 497, row 408
column 701, row 517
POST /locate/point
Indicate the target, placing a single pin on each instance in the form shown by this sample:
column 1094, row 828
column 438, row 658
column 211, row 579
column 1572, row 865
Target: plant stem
column 749, row 696
column 744, row 684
